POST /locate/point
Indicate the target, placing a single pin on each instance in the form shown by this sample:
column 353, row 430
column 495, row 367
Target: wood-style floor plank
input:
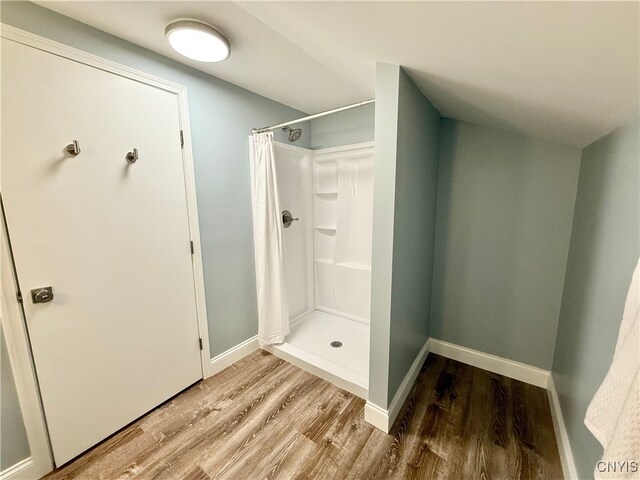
column 263, row 418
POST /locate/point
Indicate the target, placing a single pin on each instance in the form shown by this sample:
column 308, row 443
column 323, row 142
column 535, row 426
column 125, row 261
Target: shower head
column 294, row 134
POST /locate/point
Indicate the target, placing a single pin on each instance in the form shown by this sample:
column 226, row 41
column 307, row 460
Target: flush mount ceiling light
column 198, row 41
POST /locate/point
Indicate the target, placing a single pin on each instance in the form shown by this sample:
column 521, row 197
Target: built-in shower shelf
column 326, row 229
column 355, row 266
column 326, row 194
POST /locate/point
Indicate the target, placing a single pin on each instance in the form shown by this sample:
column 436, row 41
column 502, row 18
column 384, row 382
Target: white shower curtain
column 268, row 241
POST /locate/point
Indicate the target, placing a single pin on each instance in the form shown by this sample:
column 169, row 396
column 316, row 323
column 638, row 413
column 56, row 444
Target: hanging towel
column 613, row 415
column 268, row 242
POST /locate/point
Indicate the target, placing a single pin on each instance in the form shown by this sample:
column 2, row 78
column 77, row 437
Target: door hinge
column 200, row 343
column 181, row 139
column 19, row 297
column 191, row 245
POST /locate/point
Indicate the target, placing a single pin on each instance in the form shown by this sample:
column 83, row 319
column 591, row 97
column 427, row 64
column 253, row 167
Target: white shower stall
column 328, row 259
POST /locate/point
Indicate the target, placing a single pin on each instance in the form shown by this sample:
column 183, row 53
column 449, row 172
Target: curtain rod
column 310, row 117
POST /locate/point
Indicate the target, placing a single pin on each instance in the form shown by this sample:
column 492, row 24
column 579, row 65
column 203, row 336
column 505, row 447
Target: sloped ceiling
column 567, row 72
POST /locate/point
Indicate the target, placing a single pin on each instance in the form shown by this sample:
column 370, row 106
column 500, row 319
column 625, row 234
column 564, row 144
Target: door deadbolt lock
column 42, row 295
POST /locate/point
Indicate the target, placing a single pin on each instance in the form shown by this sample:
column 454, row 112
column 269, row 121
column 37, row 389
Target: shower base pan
column 309, row 346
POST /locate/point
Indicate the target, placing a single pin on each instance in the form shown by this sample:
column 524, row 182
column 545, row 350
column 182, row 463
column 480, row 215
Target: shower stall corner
column 328, row 260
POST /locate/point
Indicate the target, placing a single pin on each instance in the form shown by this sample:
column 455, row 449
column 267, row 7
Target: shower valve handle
column 287, row 219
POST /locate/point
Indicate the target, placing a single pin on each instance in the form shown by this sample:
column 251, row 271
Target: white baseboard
column 24, row 469
column 231, row 356
column 502, row 366
column 562, row 437
column 376, row 416
column 384, row 419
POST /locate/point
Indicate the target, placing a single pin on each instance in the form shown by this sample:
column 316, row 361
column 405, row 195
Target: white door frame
column 40, row 461
column 24, row 367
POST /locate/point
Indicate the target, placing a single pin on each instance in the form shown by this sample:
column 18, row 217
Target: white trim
column 231, row 356
column 46, row 45
column 562, row 437
column 376, row 416
column 62, row 50
column 509, row 368
column 23, row 470
column 384, row 419
column 17, row 340
column 194, row 232
column 407, row 383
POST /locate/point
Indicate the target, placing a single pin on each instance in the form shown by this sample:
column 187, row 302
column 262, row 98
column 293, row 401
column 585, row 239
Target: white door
column 110, row 237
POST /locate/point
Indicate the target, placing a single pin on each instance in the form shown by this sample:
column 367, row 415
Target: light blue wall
column 414, row 228
column 505, row 207
column 343, row 128
column 405, row 189
column 13, row 437
column 222, row 116
column 604, row 250
column 384, row 192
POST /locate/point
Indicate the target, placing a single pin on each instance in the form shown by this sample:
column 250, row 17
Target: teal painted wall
column 603, row 253
column 384, row 191
column 222, row 116
column 505, row 207
column 14, row 445
column 414, row 228
column 344, row 128
column 407, row 132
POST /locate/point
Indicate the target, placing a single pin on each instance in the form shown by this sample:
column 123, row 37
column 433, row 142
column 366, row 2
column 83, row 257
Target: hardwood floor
column 263, row 418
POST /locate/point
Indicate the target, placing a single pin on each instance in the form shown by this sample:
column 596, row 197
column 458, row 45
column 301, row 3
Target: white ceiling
column 563, row 71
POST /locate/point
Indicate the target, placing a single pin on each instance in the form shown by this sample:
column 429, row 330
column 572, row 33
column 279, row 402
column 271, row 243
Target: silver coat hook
column 132, row 156
column 73, row 148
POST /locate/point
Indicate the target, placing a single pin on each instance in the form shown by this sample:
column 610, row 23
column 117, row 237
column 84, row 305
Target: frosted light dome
column 197, row 41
